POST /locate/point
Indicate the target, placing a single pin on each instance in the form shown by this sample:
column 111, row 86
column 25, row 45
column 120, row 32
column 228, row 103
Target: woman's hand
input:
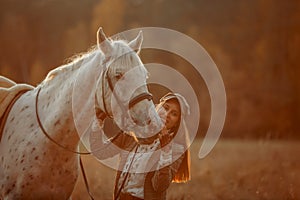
column 165, row 137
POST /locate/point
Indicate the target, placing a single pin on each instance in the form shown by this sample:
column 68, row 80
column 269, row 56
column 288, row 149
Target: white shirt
column 134, row 183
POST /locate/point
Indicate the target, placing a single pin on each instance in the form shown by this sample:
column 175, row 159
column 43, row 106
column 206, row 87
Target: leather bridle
column 124, row 108
column 132, row 102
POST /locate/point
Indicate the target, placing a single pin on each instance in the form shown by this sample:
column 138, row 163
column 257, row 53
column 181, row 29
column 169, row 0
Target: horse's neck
column 55, row 107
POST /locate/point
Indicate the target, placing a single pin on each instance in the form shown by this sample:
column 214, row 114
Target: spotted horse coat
column 31, row 165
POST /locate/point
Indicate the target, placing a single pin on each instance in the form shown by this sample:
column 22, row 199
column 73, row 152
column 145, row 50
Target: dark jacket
column 156, row 182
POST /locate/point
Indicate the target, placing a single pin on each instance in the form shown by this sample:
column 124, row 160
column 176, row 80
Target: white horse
column 40, row 138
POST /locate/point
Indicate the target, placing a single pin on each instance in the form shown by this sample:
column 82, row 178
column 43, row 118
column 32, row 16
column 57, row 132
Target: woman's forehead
column 174, row 104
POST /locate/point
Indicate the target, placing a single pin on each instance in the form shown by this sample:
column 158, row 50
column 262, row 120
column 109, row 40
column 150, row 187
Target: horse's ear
column 100, row 36
column 102, row 42
column 136, row 43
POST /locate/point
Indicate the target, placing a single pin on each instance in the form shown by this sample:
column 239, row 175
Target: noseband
column 132, row 102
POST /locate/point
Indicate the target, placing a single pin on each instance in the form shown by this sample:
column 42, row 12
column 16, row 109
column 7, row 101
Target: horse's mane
column 120, row 47
column 69, row 62
column 79, row 56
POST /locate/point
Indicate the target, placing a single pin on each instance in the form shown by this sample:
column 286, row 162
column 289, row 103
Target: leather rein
column 132, row 102
column 7, row 111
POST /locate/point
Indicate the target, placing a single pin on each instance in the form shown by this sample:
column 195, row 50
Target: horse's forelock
column 124, row 57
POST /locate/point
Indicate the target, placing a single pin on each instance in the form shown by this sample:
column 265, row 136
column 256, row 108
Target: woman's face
column 170, row 113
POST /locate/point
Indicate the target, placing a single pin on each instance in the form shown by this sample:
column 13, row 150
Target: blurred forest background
column 255, row 45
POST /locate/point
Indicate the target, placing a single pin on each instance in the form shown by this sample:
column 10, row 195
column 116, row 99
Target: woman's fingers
column 164, row 137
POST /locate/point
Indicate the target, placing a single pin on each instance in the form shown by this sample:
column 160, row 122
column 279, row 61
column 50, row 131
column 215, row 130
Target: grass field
column 235, row 169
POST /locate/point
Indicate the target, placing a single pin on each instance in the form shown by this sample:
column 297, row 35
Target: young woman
column 148, row 165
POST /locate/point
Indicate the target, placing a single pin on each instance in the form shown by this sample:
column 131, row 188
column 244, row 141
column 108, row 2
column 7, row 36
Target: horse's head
column 123, row 92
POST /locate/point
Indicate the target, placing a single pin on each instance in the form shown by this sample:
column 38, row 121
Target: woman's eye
column 175, row 114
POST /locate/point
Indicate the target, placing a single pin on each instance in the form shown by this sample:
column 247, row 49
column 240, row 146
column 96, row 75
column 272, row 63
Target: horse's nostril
column 148, row 122
column 135, row 121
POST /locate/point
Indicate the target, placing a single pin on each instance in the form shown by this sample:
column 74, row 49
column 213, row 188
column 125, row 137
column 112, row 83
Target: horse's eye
column 119, row 76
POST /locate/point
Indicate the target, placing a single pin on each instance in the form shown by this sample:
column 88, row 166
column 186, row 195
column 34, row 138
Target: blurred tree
column 110, row 15
column 39, row 28
column 255, row 45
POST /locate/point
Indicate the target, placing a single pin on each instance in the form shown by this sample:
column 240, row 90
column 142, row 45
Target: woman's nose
column 167, row 114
